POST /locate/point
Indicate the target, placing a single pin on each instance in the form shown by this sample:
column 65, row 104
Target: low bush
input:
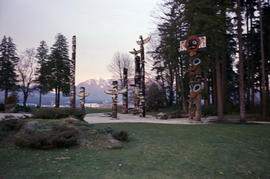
column 57, row 113
column 77, row 113
column 20, row 108
column 209, row 110
column 11, row 100
column 2, row 107
column 10, row 125
column 122, row 135
column 58, row 137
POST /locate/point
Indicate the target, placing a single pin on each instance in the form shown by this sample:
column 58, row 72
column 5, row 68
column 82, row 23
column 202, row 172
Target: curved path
column 96, row 118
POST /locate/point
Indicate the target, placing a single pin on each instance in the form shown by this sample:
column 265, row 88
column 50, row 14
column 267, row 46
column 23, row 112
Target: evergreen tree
column 8, row 61
column 58, row 67
column 42, row 72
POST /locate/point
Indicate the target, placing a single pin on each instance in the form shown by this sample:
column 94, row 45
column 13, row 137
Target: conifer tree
column 58, row 67
column 8, row 61
column 42, row 72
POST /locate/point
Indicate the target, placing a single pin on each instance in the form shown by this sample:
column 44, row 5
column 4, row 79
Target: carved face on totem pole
column 195, row 69
column 195, row 89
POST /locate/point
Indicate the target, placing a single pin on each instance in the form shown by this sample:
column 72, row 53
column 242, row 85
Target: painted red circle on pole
column 190, row 38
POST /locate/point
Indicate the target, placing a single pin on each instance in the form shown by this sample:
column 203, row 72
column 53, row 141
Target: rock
column 30, row 126
column 10, row 108
column 162, row 116
column 113, row 143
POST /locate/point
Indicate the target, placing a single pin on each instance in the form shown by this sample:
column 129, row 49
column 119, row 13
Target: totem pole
column 141, row 42
column 125, row 95
column 114, row 92
column 72, row 74
column 82, row 96
column 193, row 44
column 137, row 81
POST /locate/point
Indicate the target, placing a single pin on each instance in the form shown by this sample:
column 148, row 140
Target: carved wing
column 109, row 92
column 135, row 52
column 86, row 94
column 122, row 91
column 139, row 42
column 146, row 40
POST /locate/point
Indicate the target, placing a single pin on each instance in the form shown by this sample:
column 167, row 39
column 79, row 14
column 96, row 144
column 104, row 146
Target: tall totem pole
column 137, row 80
column 114, row 92
column 125, row 95
column 141, row 42
column 72, row 74
column 193, row 44
column 82, row 96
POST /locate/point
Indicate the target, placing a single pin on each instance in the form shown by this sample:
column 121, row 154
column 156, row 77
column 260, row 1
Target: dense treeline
column 35, row 69
column 233, row 39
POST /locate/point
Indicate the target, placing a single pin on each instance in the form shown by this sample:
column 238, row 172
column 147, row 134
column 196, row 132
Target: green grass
column 154, row 151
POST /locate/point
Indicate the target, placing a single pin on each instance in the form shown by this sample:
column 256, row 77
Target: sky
column 102, row 27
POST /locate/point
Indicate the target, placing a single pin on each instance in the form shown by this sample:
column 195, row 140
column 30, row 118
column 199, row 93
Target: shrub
column 77, row 113
column 11, row 100
column 122, row 135
column 57, row 113
column 59, row 137
column 209, row 110
column 10, row 125
column 20, row 108
column 2, row 107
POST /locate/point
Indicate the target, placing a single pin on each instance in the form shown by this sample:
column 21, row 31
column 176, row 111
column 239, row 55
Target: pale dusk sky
column 102, row 27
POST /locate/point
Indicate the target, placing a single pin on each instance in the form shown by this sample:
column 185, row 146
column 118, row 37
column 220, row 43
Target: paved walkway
column 96, row 118
column 14, row 115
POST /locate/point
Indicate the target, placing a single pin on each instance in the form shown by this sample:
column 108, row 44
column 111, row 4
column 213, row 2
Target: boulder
column 10, row 108
column 30, row 126
column 113, row 143
column 162, row 116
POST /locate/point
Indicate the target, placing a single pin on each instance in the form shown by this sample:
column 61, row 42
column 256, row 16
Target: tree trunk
column 241, row 65
column 224, row 82
column 249, row 64
column 262, row 66
column 177, row 94
column 219, row 90
column 6, row 95
column 214, row 89
column 206, row 87
column 25, row 96
column 39, row 98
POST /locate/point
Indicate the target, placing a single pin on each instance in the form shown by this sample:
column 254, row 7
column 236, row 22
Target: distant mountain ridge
column 95, row 87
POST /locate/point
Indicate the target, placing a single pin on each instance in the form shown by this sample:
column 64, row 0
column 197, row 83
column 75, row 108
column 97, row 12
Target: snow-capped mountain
column 96, row 88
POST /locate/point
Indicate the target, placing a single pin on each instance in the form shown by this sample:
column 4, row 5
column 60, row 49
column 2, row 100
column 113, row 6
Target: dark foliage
column 20, row 108
column 77, row 113
column 2, row 107
column 122, row 135
column 11, row 100
column 209, row 110
column 58, row 137
column 57, row 113
column 10, row 125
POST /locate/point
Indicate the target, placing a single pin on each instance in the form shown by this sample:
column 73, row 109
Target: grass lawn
column 154, row 151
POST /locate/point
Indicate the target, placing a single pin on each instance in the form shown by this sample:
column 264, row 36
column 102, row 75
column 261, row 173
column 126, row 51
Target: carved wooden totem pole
column 72, row 74
column 82, row 96
column 137, row 81
column 141, row 42
column 114, row 92
column 192, row 45
column 125, row 95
